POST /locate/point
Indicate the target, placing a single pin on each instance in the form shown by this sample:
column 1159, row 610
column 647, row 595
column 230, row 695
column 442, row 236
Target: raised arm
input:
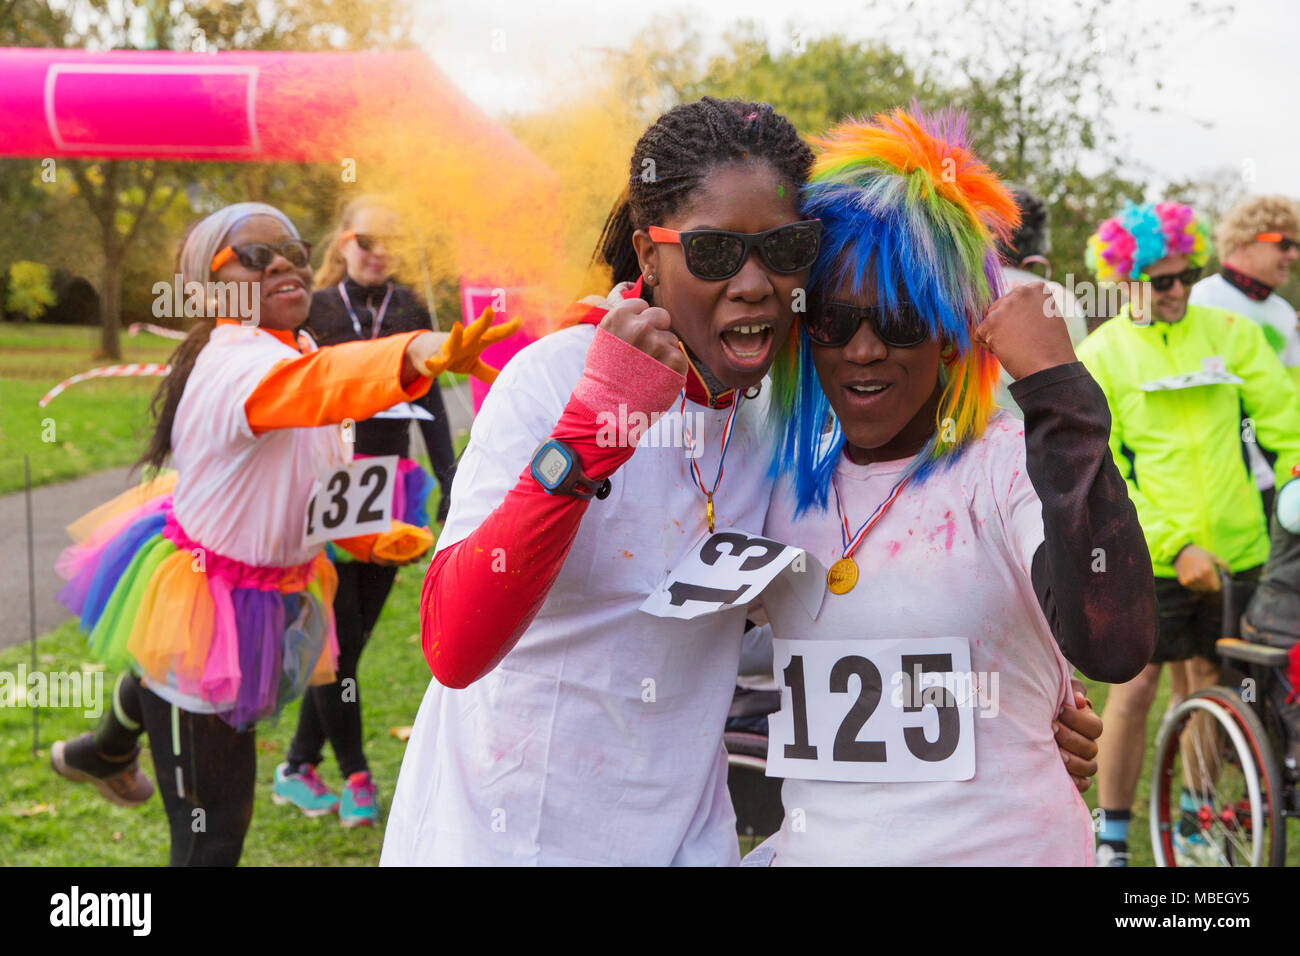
column 1092, row 572
column 354, row 380
column 481, row 593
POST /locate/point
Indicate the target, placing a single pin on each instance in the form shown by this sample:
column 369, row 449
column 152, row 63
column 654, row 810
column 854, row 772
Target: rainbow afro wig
column 1124, row 245
column 910, row 213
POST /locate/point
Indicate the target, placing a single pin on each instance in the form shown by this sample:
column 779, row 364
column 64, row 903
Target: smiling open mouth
column 746, row 343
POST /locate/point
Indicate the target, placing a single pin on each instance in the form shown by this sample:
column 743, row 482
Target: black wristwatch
column 558, row 469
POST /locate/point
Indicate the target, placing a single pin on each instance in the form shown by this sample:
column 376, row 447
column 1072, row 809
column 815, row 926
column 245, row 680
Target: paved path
column 54, row 506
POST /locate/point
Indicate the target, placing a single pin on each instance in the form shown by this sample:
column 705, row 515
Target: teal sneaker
column 304, row 790
column 359, row 806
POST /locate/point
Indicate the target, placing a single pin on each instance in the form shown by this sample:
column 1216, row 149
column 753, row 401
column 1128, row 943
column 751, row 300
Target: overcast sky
column 1227, row 81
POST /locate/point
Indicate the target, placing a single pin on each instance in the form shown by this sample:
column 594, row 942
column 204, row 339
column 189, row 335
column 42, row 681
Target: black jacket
column 330, row 324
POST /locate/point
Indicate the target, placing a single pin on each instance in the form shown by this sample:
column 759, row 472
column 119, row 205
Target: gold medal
column 708, row 512
column 842, row 576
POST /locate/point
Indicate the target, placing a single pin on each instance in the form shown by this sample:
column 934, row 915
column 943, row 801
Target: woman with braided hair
column 564, row 725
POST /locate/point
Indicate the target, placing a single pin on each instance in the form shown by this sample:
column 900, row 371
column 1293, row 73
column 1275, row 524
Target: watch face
column 552, row 467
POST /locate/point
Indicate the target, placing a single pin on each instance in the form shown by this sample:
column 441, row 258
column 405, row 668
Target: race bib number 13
column 727, row 568
column 891, row 711
column 350, row 501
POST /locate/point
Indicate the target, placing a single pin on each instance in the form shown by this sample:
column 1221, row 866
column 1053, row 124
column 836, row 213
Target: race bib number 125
column 873, row 711
column 350, row 501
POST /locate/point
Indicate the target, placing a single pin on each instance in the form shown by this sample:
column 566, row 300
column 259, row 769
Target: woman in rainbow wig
column 963, row 616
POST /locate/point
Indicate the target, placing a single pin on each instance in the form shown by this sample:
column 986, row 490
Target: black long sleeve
column 1092, row 573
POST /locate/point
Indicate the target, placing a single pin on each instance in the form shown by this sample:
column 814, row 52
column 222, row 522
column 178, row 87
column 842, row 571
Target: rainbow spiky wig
column 909, row 212
column 1124, row 245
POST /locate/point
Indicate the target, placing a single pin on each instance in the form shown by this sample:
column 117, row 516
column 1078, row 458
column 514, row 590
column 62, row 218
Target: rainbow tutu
column 223, row 636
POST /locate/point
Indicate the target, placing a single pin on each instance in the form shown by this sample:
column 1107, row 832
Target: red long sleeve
column 481, row 593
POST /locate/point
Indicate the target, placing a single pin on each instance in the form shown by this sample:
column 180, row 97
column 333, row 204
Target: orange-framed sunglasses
column 259, row 255
column 1284, row 243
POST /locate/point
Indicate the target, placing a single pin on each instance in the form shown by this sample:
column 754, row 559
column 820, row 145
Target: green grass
column 91, row 426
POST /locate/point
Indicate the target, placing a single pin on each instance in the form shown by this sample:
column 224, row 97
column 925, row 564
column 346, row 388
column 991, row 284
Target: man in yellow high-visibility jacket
column 1178, row 380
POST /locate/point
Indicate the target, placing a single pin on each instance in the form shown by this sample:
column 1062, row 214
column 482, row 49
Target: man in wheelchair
column 1272, row 617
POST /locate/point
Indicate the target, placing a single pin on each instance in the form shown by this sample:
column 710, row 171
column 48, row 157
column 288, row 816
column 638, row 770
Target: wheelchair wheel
column 755, row 796
column 1235, row 783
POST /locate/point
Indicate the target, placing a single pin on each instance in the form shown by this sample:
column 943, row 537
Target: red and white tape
column 135, row 328
column 107, row 371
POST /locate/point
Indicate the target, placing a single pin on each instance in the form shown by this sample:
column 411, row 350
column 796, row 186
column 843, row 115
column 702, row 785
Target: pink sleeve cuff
column 617, row 373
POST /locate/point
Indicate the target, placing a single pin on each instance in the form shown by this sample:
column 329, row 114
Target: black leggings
column 333, row 711
column 206, row 773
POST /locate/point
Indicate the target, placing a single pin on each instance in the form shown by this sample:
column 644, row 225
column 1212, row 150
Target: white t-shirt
column 1275, row 313
column 598, row 738
column 243, row 495
column 950, row 558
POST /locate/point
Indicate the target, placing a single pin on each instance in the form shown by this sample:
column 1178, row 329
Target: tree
column 1042, row 84
column 815, row 82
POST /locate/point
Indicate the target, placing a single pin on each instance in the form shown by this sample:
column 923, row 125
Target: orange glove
column 402, row 544
column 460, row 353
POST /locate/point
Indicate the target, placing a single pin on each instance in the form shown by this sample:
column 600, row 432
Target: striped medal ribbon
column 843, row 574
column 695, row 469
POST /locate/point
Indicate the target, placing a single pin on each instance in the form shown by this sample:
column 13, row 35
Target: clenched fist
column 1026, row 332
column 645, row 327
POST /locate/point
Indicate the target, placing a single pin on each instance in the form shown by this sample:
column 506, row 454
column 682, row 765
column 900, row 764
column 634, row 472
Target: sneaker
column 304, row 790
column 1107, row 855
column 359, row 808
column 1195, row 850
column 122, row 783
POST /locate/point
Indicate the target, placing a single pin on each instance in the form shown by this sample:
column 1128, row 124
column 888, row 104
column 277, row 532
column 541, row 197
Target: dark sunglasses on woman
column 1165, row 283
column 833, row 324
column 259, row 255
column 715, row 254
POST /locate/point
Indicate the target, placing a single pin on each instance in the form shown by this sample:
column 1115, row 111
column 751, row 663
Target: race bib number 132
column 351, row 501
column 873, row 711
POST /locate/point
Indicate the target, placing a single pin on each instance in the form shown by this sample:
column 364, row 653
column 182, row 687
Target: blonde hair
column 334, row 267
column 1253, row 215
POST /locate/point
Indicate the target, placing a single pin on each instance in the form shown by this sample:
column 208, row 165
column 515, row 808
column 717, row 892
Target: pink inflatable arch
column 231, row 106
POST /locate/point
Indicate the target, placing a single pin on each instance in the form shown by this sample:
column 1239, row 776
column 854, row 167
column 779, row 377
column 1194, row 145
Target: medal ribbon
column 851, row 546
column 722, row 460
column 378, row 317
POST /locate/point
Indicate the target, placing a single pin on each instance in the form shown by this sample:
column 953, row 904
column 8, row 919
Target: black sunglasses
column 1165, row 283
column 259, row 255
column 833, row 324
column 715, row 254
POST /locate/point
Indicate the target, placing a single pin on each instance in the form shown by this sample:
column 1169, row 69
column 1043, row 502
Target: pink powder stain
column 892, row 548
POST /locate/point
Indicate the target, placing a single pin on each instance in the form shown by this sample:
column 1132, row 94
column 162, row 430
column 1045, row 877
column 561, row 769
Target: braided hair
column 678, row 152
